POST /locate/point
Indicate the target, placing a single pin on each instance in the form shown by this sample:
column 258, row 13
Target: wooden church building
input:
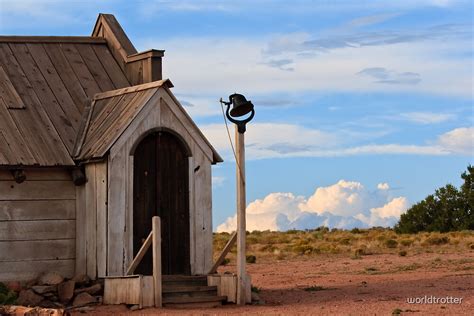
column 93, row 143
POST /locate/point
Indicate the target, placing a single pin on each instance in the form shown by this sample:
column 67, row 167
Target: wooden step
column 184, row 280
column 187, row 301
column 179, row 277
column 190, row 291
column 176, row 289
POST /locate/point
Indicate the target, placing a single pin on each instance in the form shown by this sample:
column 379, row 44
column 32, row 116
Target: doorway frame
column 188, row 154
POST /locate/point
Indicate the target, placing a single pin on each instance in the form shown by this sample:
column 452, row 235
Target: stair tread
column 188, row 288
column 179, row 277
column 193, row 299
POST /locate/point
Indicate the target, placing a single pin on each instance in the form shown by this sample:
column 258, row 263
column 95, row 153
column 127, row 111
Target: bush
column 391, row 243
column 437, row 240
column 406, row 242
column 7, row 296
column 225, row 262
column 251, row 259
column 448, row 209
column 402, row 253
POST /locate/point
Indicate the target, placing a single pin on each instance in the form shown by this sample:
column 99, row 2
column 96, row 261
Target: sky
column 363, row 108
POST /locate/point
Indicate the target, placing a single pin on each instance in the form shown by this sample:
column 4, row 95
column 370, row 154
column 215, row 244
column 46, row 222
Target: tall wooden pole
column 241, row 230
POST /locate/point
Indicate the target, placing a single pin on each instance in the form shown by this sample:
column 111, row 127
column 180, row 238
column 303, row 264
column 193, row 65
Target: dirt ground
column 338, row 285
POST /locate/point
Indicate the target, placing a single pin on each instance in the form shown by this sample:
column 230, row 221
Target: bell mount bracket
column 241, row 124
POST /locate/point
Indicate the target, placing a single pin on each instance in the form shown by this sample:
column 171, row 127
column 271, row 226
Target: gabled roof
column 49, row 81
column 47, row 84
column 111, row 112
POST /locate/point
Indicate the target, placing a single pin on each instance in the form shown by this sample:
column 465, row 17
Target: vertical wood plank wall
column 37, row 224
column 91, row 254
column 160, row 113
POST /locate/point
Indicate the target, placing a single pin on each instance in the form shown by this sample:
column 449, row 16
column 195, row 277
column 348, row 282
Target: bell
column 240, row 105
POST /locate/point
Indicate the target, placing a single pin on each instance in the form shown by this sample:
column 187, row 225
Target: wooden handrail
column 224, row 252
column 141, row 253
column 154, row 238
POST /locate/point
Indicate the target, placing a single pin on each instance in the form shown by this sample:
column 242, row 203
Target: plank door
column 161, row 188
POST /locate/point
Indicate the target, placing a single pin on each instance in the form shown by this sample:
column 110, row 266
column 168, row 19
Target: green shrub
column 251, row 259
column 7, row 296
column 391, row 243
column 406, row 242
column 225, row 262
column 437, row 240
column 402, row 253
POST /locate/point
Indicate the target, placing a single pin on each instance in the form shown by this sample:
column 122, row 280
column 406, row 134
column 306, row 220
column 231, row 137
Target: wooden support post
column 241, row 230
column 156, row 236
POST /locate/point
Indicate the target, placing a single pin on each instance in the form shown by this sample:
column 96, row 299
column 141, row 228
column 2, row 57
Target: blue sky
column 363, row 107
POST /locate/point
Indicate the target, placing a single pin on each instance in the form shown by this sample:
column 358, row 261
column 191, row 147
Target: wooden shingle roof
column 46, row 83
column 65, row 99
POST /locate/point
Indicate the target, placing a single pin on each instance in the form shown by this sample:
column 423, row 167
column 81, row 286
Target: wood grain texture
column 8, row 92
column 140, row 254
column 111, row 66
column 52, row 39
column 28, row 270
column 50, row 174
column 95, row 67
column 13, row 145
column 80, row 262
column 91, row 222
column 37, row 250
column 37, row 190
column 34, row 124
column 81, row 70
column 123, row 290
column 116, row 214
column 157, row 283
column 37, row 230
column 37, row 210
column 56, row 84
column 101, row 190
column 61, row 121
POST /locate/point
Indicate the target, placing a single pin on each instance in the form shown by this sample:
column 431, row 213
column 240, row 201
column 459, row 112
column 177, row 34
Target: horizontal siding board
column 37, row 190
column 28, row 270
column 37, row 250
column 40, row 174
column 37, row 210
column 37, row 230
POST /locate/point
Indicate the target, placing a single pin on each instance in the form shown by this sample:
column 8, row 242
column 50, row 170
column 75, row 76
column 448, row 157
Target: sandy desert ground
column 338, row 285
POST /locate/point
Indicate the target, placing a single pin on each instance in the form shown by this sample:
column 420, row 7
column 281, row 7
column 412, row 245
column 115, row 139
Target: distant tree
column 448, row 209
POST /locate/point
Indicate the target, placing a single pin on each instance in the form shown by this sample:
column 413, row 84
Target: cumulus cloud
column 345, row 204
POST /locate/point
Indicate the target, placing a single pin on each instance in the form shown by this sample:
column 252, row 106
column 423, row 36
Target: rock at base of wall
column 50, row 278
column 29, row 298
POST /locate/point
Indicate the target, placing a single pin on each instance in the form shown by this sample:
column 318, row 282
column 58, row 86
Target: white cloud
column 276, row 140
column 260, row 65
column 458, row 141
column 383, row 186
column 426, row 117
column 346, row 204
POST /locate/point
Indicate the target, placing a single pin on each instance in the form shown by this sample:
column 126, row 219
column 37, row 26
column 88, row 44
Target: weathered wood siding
column 161, row 113
column 37, row 224
column 91, row 252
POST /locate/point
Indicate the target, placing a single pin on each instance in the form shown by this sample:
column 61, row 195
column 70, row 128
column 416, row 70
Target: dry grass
column 269, row 246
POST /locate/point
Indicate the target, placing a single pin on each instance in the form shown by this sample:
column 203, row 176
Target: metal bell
column 240, row 105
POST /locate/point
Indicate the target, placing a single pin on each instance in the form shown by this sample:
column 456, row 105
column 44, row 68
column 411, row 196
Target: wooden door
column 161, row 188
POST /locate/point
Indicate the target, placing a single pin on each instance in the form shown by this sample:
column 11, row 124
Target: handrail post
column 156, row 229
